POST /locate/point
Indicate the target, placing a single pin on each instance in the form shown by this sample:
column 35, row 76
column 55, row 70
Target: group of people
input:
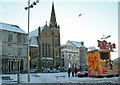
column 73, row 70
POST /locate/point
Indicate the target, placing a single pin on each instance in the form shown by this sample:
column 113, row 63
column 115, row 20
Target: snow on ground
column 51, row 78
column 0, row 80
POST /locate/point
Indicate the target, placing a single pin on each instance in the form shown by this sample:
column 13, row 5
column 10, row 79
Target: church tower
column 50, row 53
column 53, row 22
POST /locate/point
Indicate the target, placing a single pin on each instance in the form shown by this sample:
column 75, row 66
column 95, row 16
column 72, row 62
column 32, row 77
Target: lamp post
column 28, row 8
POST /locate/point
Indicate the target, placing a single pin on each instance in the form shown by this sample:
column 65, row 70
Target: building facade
column 13, row 48
column 74, row 54
column 34, row 51
column 48, row 38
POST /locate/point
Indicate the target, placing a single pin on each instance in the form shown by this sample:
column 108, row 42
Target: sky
column 99, row 17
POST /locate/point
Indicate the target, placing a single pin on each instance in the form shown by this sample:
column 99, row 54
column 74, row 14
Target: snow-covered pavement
column 51, row 78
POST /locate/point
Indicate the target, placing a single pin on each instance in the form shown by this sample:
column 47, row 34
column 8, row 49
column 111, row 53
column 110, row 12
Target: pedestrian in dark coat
column 69, row 70
column 73, row 71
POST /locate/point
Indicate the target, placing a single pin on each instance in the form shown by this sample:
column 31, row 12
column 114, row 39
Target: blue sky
column 98, row 18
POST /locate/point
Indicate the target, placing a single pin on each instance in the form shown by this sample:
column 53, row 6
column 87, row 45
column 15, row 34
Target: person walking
column 73, row 71
column 69, row 70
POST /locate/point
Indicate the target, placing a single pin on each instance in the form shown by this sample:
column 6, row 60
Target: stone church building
column 48, row 42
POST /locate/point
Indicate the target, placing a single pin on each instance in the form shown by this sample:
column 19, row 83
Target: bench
column 59, row 77
column 6, row 78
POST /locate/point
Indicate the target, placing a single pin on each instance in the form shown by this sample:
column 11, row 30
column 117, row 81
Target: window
column 43, row 49
column 10, row 50
column 55, row 36
column 0, row 36
column 19, row 38
column 19, row 51
column 24, row 38
column 56, row 53
column 45, row 34
column 10, row 37
column 104, row 56
column 70, row 58
column 49, row 50
column 69, row 54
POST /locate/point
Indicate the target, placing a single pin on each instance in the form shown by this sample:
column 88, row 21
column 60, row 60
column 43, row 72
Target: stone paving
column 50, row 78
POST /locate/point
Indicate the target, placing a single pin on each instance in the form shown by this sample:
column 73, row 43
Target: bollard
column 18, row 77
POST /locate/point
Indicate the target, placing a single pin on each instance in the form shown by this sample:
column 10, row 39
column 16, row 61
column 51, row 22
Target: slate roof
column 33, row 41
column 10, row 27
column 33, row 33
column 33, row 37
column 77, row 44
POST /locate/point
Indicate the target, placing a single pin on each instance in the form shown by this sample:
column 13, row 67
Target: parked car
column 82, row 74
column 33, row 70
column 50, row 71
column 54, row 71
column 46, row 71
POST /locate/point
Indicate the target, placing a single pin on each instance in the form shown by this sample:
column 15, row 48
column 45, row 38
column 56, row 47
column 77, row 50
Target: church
column 46, row 40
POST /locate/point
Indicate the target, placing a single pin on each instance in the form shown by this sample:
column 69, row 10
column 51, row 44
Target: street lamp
column 28, row 8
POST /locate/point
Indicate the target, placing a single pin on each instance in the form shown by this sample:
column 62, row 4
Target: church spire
column 53, row 23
